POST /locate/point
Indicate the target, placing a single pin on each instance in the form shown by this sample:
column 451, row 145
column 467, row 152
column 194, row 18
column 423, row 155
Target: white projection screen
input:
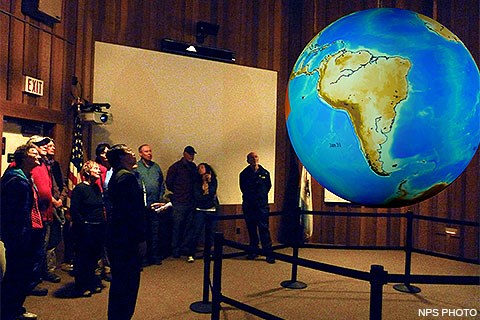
column 171, row 101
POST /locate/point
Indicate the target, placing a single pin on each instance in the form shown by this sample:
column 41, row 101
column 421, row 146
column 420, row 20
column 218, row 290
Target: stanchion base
column 201, row 307
column 293, row 284
column 407, row 288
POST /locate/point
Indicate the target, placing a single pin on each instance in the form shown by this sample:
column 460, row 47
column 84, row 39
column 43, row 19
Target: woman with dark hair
column 101, row 159
column 206, row 202
column 88, row 224
column 19, row 218
column 105, row 175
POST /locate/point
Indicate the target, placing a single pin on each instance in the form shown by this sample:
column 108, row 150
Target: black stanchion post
column 407, row 287
column 298, row 237
column 205, row 306
column 378, row 277
column 217, row 275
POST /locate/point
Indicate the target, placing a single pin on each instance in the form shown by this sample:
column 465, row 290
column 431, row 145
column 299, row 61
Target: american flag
column 76, row 159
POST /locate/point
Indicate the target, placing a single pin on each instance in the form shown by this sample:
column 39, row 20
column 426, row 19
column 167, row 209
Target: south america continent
column 369, row 88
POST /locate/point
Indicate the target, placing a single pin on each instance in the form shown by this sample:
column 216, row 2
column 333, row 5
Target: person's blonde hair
column 87, row 167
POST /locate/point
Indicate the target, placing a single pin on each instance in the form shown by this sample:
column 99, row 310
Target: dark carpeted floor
column 168, row 290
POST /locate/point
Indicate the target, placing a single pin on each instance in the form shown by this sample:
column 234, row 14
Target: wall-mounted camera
column 96, row 113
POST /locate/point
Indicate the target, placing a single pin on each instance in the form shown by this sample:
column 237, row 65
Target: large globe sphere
column 383, row 107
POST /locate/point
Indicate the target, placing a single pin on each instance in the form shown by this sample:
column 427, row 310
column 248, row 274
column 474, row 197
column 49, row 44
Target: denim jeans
column 181, row 214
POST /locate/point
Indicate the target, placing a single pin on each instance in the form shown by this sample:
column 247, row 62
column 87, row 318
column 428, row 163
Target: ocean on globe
column 383, row 107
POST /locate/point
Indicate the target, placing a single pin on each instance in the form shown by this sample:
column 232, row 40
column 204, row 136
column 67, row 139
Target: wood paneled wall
column 28, row 47
column 267, row 34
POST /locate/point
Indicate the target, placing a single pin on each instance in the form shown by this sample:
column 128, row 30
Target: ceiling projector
column 97, row 117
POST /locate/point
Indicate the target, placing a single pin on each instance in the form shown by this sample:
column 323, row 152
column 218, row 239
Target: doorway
column 17, row 132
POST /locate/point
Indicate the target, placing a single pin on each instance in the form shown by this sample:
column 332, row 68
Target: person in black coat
column 125, row 233
column 255, row 184
column 88, row 226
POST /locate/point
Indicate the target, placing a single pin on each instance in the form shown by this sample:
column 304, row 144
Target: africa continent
column 369, row 88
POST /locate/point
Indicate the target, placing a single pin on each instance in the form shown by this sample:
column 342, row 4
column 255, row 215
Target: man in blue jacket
column 255, row 184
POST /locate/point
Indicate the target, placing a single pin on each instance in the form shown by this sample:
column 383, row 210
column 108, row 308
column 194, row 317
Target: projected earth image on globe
column 383, row 107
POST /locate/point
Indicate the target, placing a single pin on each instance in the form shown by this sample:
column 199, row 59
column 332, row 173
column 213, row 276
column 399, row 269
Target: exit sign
column 33, row 86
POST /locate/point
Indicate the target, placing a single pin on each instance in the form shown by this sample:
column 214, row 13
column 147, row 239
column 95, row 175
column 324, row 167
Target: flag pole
column 76, row 158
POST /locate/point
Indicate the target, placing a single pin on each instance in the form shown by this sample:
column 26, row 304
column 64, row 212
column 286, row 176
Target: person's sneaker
column 51, row 277
column 271, row 260
column 27, row 315
column 67, row 267
column 190, row 259
column 97, row 289
column 84, row 294
column 38, row 291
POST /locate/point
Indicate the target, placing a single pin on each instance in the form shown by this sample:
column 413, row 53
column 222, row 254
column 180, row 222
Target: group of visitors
column 32, row 207
column 119, row 219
